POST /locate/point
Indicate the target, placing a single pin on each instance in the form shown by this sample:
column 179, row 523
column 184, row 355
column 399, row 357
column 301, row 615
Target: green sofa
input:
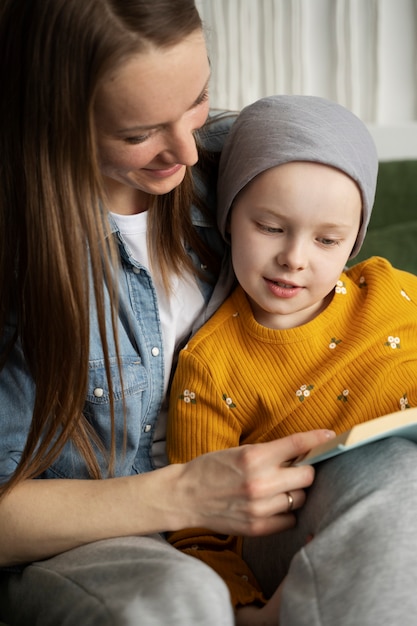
column 392, row 231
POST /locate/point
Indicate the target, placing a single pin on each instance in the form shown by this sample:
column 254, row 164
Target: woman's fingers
column 248, row 490
column 293, row 500
column 274, row 515
column 289, row 448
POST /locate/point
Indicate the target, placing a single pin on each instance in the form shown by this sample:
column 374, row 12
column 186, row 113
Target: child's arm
column 201, row 420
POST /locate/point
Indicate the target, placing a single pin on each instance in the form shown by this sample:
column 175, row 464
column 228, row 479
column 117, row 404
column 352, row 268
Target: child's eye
column 328, row 242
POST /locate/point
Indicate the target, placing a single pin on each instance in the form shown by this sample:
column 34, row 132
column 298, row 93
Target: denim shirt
column 142, row 361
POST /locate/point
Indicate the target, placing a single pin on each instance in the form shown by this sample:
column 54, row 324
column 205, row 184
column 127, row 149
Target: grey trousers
column 133, row 581
column 355, row 543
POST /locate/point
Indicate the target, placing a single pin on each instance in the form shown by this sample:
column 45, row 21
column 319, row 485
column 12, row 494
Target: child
column 302, row 343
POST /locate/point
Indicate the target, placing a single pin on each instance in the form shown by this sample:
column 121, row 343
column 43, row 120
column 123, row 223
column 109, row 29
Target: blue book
column 398, row 424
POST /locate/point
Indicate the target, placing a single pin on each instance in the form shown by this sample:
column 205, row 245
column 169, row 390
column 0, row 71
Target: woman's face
column 146, row 112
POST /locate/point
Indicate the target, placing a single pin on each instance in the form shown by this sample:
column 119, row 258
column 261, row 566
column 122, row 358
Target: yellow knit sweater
column 238, row 382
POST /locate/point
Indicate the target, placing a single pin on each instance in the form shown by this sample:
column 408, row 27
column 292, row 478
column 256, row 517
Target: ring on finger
column 290, row 501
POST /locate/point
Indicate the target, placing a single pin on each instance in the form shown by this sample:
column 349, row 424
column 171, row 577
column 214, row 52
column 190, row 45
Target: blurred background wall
column 360, row 53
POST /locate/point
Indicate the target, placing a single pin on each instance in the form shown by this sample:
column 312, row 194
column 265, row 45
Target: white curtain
column 361, row 53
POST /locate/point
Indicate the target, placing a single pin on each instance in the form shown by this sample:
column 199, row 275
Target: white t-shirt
column 178, row 309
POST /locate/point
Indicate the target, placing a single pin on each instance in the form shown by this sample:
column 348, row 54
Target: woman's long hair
column 54, row 245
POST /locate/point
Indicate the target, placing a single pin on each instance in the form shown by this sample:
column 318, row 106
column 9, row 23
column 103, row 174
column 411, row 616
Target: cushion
column 397, row 243
column 392, row 231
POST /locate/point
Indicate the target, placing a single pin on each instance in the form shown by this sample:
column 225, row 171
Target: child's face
column 292, row 230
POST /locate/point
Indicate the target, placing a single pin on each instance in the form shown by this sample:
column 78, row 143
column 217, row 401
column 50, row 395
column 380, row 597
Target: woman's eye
column 203, row 97
column 270, row 229
column 135, row 140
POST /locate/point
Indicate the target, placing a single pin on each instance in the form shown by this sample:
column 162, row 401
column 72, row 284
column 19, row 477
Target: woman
column 104, row 271
column 98, row 117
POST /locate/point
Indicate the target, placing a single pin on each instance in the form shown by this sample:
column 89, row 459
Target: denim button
column 155, row 351
column 98, row 392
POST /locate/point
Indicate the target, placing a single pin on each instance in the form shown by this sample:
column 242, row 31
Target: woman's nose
column 180, row 144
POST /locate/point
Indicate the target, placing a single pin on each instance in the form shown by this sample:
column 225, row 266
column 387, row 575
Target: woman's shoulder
column 214, row 132
column 216, row 328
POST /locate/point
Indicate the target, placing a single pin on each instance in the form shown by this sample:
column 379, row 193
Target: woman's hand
column 244, row 490
column 234, row 491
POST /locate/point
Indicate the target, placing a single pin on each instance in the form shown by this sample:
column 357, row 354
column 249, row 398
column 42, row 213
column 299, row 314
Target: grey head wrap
column 281, row 129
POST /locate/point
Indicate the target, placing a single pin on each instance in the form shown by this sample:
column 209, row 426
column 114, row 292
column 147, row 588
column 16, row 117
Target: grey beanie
column 281, row 129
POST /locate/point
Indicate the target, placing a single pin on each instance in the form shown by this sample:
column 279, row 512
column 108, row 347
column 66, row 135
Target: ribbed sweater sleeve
column 201, row 420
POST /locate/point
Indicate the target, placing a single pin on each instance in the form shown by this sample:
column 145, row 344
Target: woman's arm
column 41, row 518
column 236, row 491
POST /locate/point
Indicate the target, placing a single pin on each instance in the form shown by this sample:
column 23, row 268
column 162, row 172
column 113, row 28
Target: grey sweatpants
column 133, row 581
column 359, row 569
column 355, row 544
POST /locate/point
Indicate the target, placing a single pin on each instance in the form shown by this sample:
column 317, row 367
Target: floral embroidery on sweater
column 333, row 343
column 303, row 392
column 229, row 401
column 393, row 342
column 343, row 397
column 341, row 287
column 188, row 396
column 404, row 403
